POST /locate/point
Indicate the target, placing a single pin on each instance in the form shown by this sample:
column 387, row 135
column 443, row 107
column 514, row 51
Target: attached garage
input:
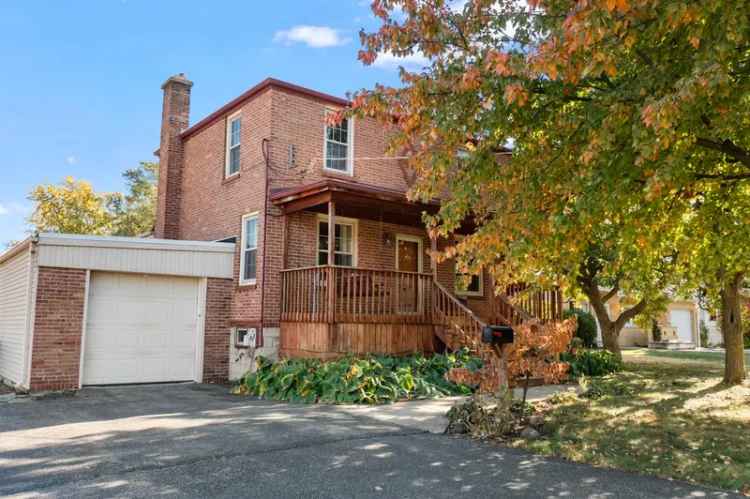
column 82, row 310
column 140, row 329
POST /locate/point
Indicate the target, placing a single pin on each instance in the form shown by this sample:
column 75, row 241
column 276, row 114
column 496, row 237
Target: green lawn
column 645, row 355
column 666, row 414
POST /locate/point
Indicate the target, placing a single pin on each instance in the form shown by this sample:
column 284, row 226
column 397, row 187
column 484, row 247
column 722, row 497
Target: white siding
column 14, row 303
column 176, row 258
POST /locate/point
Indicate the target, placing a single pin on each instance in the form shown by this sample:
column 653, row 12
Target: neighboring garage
column 83, row 310
column 682, row 320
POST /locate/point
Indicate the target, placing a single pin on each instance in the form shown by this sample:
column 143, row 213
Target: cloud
column 14, row 208
column 312, row 36
column 457, row 5
column 387, row 60
column 72, row 159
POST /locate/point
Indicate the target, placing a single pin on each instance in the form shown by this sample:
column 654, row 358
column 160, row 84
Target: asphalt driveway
column 198, row 441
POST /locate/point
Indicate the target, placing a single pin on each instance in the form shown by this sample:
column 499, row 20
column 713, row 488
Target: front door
column 408, row 259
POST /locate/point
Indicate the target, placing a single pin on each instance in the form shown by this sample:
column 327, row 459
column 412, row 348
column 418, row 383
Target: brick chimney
column 174, row 119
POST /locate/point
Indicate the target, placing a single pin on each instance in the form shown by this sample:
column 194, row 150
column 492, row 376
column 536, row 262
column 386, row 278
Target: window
column 249, row 255
column 474, row 288
column 344, row 245
column 234, row 131
column 338, row 146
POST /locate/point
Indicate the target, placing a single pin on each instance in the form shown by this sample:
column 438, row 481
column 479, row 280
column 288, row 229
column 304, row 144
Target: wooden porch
column 330, row 311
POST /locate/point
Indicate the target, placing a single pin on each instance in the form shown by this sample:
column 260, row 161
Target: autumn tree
column 74, row 207
column 134, row 212
column 71, row 207
column 719, row 252
column 622, row 116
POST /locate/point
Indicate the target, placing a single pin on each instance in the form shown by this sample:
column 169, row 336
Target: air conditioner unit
column 247, row 337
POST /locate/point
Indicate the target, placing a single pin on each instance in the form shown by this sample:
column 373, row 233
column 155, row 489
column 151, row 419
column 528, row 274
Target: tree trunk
column 731, row 329
column 611, row 336
column 610, row 328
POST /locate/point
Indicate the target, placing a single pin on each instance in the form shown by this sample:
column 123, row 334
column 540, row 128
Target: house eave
column 257, row 90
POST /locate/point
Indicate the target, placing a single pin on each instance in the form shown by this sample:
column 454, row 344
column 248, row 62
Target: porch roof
column 355, row 200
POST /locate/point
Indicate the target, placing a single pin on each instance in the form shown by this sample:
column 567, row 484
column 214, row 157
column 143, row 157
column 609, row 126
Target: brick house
column 267, row 172
column 276, row 234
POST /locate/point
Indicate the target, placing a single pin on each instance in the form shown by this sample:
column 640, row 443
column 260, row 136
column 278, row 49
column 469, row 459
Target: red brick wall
column 212, row 207
column 58, row 323
column 217, row 331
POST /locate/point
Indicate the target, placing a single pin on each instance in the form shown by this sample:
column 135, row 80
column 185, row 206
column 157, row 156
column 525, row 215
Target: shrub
column 704, row 334
column 586, row 326
column 369, row 380
column 656, row 331
column 591, row 363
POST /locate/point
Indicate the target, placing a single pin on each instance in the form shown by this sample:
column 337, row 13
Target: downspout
column 264, row 148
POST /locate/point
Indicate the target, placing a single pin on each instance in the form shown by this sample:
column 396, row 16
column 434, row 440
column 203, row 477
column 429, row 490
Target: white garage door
column 140, row 329
column 680, row 319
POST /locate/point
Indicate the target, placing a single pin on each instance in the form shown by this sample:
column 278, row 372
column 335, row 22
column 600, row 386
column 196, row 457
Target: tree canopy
column 74, row 207
column 604, row 132
column 71, row 207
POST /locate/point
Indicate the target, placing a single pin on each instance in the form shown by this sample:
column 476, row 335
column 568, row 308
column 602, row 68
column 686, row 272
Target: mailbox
column 497, row 335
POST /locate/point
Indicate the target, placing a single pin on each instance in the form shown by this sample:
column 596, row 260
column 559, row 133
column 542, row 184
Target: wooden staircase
column 454, row 320
column 457, row 326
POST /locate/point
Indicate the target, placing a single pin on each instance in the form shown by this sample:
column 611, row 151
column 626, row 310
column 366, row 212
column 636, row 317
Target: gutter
column 264, row 149
column 19, row 248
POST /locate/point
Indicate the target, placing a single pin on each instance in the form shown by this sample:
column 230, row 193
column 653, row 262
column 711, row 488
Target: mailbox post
column 497, row 335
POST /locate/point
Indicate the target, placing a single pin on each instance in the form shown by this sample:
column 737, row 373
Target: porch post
column 285, row 240
column 433, row 262
column 331, row 261
column 331, row 231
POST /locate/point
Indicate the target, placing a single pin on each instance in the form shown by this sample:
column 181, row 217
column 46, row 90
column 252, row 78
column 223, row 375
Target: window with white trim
column 234, row 133
column 338, row 146
column 344, row 245
column 249, row 255
column 475, row 286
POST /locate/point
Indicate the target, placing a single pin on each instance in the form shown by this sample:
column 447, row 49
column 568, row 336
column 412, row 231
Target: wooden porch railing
column 304, row 294
column 518, row 305
column 462, row 324
column 346, row 294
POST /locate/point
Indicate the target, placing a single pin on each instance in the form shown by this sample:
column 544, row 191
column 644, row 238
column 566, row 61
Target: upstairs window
column 249, row 255
column 234, row 132
column 338, row 146
column 344, row 245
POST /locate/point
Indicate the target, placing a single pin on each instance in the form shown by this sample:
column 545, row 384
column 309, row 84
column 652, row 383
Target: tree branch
column 628, row 314
column 719, row 176
column 612, row 292
column 727, row 147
